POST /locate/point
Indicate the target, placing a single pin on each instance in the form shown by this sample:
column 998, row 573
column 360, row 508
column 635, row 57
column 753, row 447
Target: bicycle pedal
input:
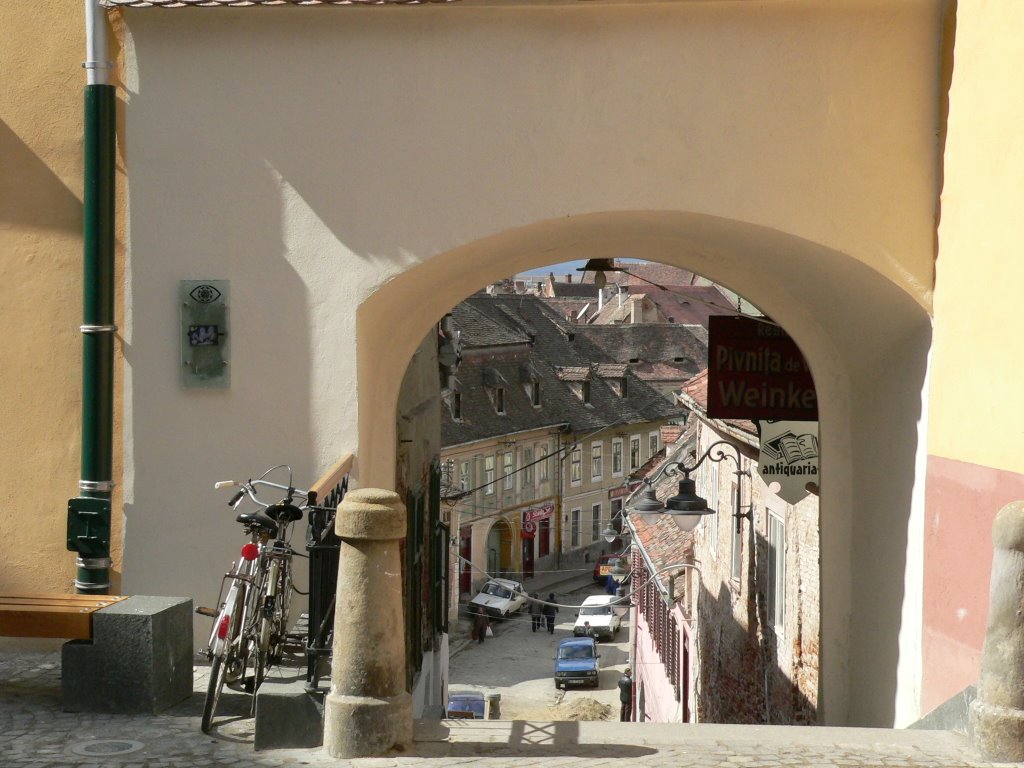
column 211, row 612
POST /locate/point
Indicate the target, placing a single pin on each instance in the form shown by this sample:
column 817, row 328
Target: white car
column 500, row 597
column 599, row 611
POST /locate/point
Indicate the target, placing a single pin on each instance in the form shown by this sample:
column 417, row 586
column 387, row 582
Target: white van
column 598, row 612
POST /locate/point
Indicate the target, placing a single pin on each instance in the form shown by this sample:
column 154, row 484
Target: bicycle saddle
column 258, row 518
column 284, row 513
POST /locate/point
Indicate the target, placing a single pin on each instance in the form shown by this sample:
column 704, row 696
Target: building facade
column 849, row 167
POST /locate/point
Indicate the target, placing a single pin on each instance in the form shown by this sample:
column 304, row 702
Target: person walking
column 480, row 624
column 550, row 609
column 536, row 617
column 626, row 696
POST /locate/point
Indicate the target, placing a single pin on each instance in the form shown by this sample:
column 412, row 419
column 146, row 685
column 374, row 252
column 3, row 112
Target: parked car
column 466, row 705
column 576, row 662
column 603, row 567
column 599, row 612
column 500, row 597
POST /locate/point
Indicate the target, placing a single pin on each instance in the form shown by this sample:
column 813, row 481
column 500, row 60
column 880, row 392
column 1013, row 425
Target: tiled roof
column 575, row 290
column 480, row 330
column 697, row 390
column 662, row 274
column 686, row 304
column 549, row 351
column 610, row 370
column 646, row 343
column 663, row 371
column 573, row 374
column 244, row 3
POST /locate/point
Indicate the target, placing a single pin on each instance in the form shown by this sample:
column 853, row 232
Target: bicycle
column 250, row 625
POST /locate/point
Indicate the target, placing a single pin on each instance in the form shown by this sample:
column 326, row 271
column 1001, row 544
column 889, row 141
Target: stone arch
column 865, row 339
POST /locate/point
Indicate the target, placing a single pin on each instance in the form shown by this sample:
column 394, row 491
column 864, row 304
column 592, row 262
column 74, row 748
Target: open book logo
column 792, row 448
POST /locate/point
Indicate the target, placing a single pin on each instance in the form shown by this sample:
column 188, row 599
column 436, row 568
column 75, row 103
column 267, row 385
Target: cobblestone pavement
column 34, row 731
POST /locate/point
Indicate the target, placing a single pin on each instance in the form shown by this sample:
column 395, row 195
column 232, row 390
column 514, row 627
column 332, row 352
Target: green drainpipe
column 88, row 531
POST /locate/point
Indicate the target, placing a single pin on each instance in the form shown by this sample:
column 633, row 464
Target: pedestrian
column 589, row 630
column 480, row 624
column 536, row 617
column 550, row 609
column 626, row 696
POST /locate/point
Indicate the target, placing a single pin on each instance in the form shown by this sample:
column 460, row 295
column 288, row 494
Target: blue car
column 576, row 662
column 466, row 704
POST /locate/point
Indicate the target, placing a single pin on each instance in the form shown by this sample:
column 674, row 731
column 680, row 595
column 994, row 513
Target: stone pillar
column 997, row 715
column 368, row 711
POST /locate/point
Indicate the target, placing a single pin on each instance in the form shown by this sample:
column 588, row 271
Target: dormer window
column 585, row 394
column 495, row 385
column 455, row 401
column 535, row 394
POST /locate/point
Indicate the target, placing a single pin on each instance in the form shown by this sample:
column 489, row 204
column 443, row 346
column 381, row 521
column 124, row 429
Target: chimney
column 568, row 279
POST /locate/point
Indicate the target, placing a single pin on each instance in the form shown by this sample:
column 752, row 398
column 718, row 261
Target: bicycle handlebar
column 249, row 489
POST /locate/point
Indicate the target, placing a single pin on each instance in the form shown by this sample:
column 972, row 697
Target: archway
column 865, row 339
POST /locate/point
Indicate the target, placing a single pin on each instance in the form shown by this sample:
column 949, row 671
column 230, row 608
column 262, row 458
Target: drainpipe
column 89, row 513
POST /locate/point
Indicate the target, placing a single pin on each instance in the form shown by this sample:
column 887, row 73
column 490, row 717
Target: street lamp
column 686, row 507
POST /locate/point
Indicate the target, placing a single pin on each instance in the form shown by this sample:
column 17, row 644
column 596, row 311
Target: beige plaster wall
column 396, row 159
column 977, row 361
column 40, row 271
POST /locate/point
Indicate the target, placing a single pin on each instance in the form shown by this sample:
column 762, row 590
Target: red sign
column 756, row 371
column 529, row 529
column 532, row 515
column 623, row 490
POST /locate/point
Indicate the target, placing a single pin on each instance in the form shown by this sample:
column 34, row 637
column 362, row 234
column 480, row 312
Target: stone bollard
column 368, row 711
column 997, row 714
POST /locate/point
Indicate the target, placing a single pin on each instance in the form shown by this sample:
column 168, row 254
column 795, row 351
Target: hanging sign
column 541, row 513
column 529, row 529
column 789, row 458
column 756, row 371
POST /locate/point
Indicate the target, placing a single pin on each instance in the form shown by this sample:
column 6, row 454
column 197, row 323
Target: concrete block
column 138, row 661
column 288, row 716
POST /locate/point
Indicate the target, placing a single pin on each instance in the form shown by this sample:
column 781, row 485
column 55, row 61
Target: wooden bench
column 50, row 614
column 123, row 654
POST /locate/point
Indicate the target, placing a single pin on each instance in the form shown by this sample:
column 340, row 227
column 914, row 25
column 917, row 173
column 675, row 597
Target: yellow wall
column 977, row 368
column 40, row 270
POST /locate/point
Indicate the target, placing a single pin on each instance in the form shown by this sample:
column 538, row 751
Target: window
column 596, row 461
column 508, row 468
column 574, row 529
column 652, row 444
column 457, row 406
column 535, row 393
column 544, row 537
column 543, row 473
column 586, row 392
column 465, row 477
column 499, row 399
column 616, row 515
column 595, row 522
column 575, row 466
column 616, row 457
column 489, row 475
column 777, row 572
column 737, row 545
column 634, row 452
column 527, row 468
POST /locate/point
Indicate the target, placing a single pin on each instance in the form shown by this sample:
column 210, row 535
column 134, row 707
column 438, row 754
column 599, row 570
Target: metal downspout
column 89, row 513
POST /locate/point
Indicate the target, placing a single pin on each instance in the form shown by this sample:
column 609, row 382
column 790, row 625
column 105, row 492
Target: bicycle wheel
column 212, row 693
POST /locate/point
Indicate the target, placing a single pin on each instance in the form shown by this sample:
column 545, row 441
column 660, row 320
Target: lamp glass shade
column 686, row 507
column 619, row 570
column 609, row 534
column 648, row 503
